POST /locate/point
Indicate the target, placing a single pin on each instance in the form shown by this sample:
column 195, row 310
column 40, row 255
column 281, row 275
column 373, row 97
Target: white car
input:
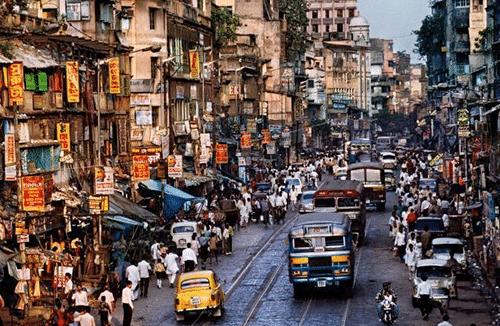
column 441, row 248
column 182, row 233
column 389, row 160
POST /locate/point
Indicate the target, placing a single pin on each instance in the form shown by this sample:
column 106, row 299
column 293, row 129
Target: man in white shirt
column 132, row 274
column 109, row 299
column 172, row 267
column 128, row 305
column 155, row 251
column 80, row 298
column 189, row 259
column 85, row 319
column 144, row 269
column 424, row 293
column 68, row 286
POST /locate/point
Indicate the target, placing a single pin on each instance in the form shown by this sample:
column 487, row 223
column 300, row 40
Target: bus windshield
column 324, row 202
column 373, row 176
column 358, row 175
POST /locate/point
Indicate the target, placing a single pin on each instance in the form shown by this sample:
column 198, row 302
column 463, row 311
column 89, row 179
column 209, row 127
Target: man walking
column 189, row 259
column 144, row 269
column 132, row 274
column 172, row 267
column 128, row 305
column 424, row 293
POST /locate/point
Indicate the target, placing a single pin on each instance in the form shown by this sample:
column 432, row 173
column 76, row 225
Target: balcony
column 460, row 46
column 183, row 10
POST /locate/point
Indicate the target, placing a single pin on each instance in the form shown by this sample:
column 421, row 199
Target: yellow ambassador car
column 198, row 291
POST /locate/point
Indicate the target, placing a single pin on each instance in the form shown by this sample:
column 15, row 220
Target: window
column 195, row 283
column 327, row 28
column 461, row 3
column 327, row 13
column 324, row 202
column 352, row 12
column 152, row 18
column 314, row 14
column 340, row 13
column 315, row 28
column 310, row 83
column 340, row 28
column 154, row 67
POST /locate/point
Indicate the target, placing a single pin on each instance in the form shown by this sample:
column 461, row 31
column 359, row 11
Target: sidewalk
column 158, row 308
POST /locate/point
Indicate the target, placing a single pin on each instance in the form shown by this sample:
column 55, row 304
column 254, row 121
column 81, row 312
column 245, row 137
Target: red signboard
column 140, row 164
column 246, row 140
column 221, row 154
column 33, row 193
column 266, row 136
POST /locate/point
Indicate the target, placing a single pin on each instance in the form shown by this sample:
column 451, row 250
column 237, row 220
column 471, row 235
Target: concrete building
column 330, row 19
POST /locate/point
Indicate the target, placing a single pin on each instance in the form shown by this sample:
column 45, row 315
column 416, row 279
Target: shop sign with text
column 114, row 75
column 72, row 82
column 104, row 180
column 63, row 136
column 174, row 166
column 140, row 164
column 221, row 154
column 16, row 83
column 266, row 136
column 33, row 196
column 246, row 140
column 194, row 63
column 98, row 204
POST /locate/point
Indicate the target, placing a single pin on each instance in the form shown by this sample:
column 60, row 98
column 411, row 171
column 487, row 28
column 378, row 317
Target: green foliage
column 295, row 13
column 431, row 35
column 481, row 41
column 392, row 122
column 225, row 26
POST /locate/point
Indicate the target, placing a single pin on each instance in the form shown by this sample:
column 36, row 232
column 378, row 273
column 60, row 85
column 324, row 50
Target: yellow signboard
column 114, row 75
column 72, row 82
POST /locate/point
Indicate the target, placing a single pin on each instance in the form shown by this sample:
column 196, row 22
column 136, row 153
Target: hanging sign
column 221, row 154
column 140, row 165
column 463, row 123
column 72, row 82
column 104, row 180
column 33, row 199
column 63, row 136
column 174, row 166
column 271, row 148
column 10, row 149
column 114, row 75
column 246, row 140
column 98, row 204
column 194, row 63
column 266, row 136
column 15, row 75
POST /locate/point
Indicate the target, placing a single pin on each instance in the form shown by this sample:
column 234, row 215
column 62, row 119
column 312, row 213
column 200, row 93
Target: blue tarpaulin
column 173, row 198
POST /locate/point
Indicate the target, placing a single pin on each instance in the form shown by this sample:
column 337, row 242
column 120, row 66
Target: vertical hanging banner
column 175, row 166
column 140, row 167
column 10, row 149
column 221, row 154
column 16, row 83
column 266, row 136
column 63, row 136
column 194, row 63
column 114, row 75
column 246, row 140
column 72, row 82
column 33, row 193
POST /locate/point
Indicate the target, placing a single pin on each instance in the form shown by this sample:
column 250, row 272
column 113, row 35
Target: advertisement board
column 15, row 75
column 72, row 82
column 63, row 136
column 33, row 197
column 221, row 154
column 246, row 140
column 114, row 75
column 174, row 166
column 104, row 180
column 140, row 167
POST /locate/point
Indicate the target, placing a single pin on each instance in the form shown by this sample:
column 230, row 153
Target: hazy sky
column 395, row 19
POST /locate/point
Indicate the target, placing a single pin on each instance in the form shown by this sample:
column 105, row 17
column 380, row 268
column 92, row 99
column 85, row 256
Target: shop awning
column 174, row 199
column 32, row 57
column 196, row 180
column 4, row 60
column 119, row 205
column 122, row 220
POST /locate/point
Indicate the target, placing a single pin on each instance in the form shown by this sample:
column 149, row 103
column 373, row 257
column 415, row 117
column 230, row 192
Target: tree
column 431, row 35
column 295, row 13
column 225, row 26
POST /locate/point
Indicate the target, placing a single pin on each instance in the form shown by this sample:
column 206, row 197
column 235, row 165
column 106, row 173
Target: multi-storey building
column 329, row 19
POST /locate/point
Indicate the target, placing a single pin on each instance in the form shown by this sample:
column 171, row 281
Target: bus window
column 324, row 202
column 373, row 176
column 348, row 202
column 334, row 241
column 358, row 175
column 302, row 243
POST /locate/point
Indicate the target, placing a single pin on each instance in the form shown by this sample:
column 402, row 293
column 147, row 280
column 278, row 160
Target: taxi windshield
column 446, row 249
column 195, row 283
column 183, row 229
column 434, row 271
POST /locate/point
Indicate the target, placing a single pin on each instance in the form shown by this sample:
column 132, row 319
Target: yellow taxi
column 197, row 292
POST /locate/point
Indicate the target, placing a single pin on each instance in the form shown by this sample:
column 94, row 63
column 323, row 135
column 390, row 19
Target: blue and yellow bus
column 321, row 253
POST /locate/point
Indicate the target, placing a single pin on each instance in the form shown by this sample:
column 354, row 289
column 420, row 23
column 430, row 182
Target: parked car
column 182, row 232
column 306, row 204
column 441, row 277
column 442, row 247
column 199, row 292
column 390, row 179
column 435, row 224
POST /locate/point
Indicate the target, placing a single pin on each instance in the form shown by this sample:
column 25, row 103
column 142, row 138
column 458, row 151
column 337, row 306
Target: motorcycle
column 387, row 312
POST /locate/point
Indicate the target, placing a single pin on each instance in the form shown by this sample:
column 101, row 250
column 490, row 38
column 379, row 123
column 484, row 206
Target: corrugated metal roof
column 4, row 60
column 33, row 58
